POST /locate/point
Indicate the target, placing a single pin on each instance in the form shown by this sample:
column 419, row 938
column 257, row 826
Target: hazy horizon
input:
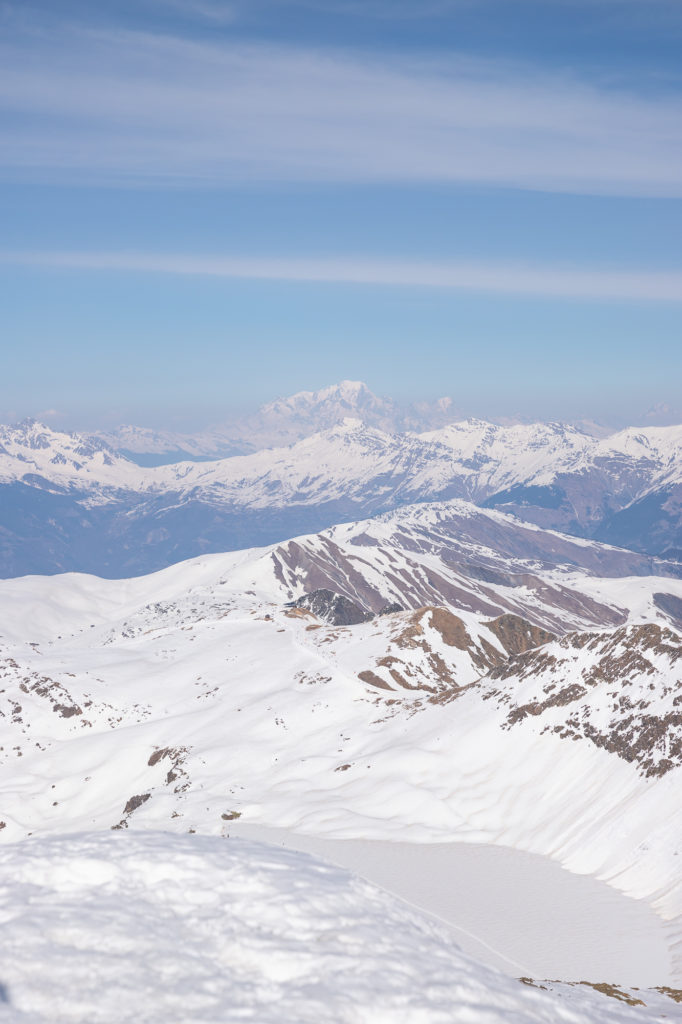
column 660, row 415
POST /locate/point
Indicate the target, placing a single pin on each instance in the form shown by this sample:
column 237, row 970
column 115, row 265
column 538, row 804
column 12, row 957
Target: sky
column 207, row 204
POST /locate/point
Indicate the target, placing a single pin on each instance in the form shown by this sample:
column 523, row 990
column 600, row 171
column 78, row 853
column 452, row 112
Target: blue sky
column 207, row 204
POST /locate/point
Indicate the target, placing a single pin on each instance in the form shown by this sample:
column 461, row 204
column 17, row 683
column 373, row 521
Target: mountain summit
column 282, row 422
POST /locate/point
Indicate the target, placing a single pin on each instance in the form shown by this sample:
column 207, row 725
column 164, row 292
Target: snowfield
column 154, row 928
column 518, row 912
column 182, row 700
column 520, row 700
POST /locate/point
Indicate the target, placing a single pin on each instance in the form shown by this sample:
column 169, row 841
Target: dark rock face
column 652, row 524
column 603, row 503
column 333, row 608
column 517, row 635
column 487, row 575
column 391, row 609
column 135, row 802
column 671, row 605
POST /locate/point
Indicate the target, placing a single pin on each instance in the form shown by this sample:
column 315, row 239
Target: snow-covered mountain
column 624, row 489
column 482, row 561
column 147, row 446
column 310, row 412
column 289, row 419
column 72, row 503
column 32, row 453
column 208, row 695
column 281, row 422
column 480, row 461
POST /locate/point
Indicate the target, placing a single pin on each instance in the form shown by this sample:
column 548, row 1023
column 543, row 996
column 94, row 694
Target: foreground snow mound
column 160, row 928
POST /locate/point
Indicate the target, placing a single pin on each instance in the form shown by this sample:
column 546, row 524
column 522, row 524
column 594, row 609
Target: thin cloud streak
column 420, row 9
column 218, row 11
column 513, row 279
column 133, row 108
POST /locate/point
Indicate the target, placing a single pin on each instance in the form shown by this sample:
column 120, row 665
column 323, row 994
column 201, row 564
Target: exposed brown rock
column 67, row 711
column 565, row 696
column 672, row 993
column 367, row 676
column 614, row 992
column 451, row 628
column 176, row 755
column 135, row 802
column 517, row 635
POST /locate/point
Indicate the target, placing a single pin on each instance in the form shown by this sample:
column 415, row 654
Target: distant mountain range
column 281, row 422
column 287, row 420
column 72, row 502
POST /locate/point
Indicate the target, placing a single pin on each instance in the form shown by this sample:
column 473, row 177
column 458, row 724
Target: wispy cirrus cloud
column 219, row 12
column 140, row 108
column 382, row 8
column 508, row 279
column 429, row 8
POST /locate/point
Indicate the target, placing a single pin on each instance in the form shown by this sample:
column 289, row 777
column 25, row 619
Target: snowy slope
column 155, row 928
column 180, row 700
column 481, row 561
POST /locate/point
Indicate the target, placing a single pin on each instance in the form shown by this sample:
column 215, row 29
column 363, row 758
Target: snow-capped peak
column 31, row 449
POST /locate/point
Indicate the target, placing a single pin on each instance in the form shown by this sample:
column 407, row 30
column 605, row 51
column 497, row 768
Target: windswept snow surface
column 156, row 928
